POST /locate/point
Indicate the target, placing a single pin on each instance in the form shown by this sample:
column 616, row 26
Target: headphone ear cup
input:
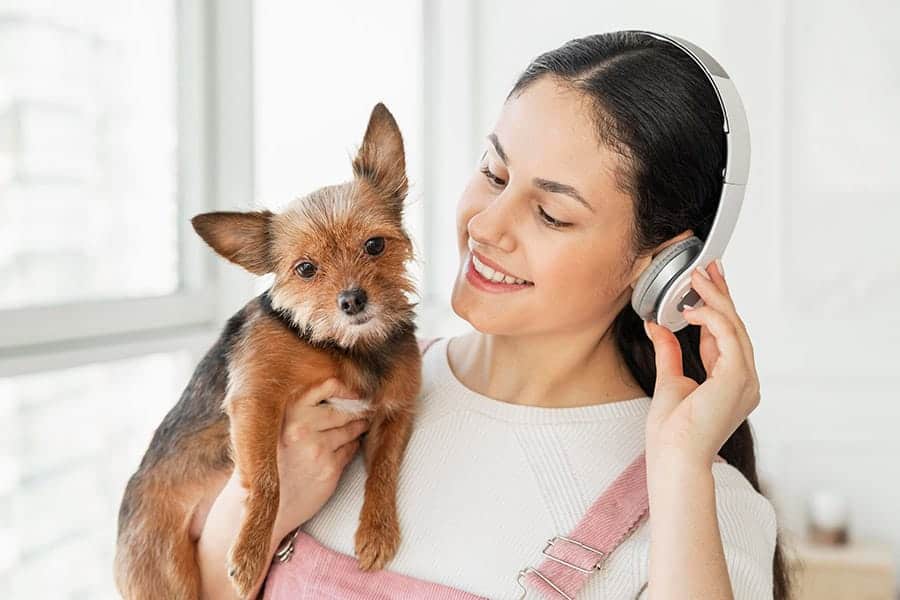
column 664, row 268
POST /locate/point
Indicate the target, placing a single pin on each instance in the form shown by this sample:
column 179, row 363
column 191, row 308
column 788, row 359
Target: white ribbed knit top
column 485, row 483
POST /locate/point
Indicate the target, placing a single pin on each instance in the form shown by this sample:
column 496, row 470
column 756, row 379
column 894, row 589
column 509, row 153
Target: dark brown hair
column 655, row 107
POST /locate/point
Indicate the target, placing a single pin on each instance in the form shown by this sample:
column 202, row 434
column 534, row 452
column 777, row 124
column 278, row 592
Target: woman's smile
column 476, row 275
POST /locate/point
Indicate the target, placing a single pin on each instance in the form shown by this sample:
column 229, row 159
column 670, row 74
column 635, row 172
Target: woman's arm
column 686, row 555
column 219, row 531
column 317, row 442
column 688, row 423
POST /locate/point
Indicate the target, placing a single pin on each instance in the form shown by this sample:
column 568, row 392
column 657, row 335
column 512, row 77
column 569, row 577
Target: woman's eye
column 491, row 177
column 550, row 220
column 375, row 246
column 305, row 270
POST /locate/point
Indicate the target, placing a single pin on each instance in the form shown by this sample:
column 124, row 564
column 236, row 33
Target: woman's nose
column 491, row 226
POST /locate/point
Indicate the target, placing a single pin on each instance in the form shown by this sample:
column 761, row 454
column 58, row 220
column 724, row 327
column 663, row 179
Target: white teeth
column 493, row 275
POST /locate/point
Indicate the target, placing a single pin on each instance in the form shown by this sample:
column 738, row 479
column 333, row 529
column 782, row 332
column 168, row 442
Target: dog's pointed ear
column 241, row 237
column 381, row 160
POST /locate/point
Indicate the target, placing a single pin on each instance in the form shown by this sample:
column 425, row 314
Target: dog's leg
column 378, row 534
column 255, row 430
column 155, row 557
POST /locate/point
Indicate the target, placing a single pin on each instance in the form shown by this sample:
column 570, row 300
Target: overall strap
column 572, row 559
column 424, row 345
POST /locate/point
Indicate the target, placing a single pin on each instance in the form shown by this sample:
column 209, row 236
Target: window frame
column 215, row 171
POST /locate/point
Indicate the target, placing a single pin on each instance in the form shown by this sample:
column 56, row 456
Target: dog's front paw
column 377, row 539
column 246, row 561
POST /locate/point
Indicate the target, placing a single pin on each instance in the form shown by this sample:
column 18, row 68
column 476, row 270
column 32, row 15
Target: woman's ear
column 644, row 261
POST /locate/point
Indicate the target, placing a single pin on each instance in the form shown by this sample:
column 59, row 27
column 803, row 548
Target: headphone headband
column 661, row 292
column 735, row 126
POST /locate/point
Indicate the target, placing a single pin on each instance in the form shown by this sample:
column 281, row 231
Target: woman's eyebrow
column 547, row 185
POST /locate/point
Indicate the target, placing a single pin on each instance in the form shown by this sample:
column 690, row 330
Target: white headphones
column 664, row 288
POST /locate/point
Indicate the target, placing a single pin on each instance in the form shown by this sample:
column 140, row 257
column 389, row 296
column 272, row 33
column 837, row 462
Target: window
column 108, row 297
column 89, row 155
column 99, row 170
column 69, row 440
column 119, row 120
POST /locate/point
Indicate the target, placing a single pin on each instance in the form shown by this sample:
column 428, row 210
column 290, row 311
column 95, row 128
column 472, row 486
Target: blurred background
column 119, row 120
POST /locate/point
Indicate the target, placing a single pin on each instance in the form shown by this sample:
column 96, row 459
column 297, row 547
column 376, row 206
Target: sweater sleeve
column 748, row 526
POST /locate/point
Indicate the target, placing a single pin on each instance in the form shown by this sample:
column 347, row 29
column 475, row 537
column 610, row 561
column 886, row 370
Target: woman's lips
column 494, row 266
column 477, row 280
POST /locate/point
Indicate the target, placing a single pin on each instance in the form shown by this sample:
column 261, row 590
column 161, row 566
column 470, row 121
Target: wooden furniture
column 859, row 570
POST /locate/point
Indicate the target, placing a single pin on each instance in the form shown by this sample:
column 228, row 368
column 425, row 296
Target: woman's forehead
column 548, row 131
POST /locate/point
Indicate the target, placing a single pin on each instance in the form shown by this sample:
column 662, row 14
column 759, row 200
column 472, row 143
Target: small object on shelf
column 827, row 518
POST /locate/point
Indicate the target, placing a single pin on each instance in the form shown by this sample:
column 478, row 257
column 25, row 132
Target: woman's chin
column 486, row 319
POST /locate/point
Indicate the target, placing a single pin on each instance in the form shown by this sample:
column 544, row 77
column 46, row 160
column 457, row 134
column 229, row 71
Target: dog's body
column 273, row 350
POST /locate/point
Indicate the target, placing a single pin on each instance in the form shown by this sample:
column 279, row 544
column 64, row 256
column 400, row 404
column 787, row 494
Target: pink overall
column 311, row 571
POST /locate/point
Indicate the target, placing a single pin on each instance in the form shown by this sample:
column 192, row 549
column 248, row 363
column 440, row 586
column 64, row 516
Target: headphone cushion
column 643, row 304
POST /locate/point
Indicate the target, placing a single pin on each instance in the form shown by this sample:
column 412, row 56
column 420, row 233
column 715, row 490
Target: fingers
column 307, row 415
column 346, row 452
column 668, row 351
column 731, row 354
column 317, row 418
column 329, row 388
column 667, row 391
column 325, row 417
column 715, row 294
column 711, row 292
column 719, row 278
column 338, row 436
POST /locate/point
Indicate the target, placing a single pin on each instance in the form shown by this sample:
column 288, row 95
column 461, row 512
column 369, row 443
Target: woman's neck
column 553, row 371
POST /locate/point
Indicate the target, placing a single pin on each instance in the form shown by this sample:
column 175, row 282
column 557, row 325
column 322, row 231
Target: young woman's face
column 523, row 215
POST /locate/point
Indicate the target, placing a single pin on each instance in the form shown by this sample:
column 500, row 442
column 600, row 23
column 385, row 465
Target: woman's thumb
column 667, row 349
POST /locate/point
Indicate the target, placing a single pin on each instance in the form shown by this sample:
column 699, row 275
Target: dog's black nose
column 352, row 301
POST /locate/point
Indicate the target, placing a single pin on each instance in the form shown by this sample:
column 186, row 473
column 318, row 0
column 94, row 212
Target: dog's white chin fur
column 353, row 406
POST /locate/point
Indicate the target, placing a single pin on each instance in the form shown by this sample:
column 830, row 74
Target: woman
column 606, row 151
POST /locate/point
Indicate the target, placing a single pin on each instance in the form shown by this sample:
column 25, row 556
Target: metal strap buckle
column 552, row 540
column 524, row 571
column 550, row 543
column 286, row 549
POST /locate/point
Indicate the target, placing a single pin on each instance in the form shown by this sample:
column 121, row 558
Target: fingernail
column 719, row 266
column 703, row 272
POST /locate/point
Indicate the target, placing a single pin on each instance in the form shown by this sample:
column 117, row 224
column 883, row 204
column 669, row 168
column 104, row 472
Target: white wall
column 814, row 263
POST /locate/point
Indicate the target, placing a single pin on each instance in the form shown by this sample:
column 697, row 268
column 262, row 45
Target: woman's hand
column 691, row 421
column 317, row 442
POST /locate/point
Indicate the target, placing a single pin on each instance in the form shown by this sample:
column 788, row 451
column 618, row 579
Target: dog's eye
column 375, row 246
column 305, row 270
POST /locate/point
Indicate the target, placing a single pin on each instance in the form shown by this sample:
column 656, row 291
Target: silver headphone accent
column 664, row 288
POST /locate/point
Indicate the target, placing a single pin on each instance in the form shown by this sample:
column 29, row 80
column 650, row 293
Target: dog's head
column 338, row 254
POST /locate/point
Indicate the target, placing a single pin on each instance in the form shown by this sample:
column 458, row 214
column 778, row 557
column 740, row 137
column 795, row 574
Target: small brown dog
column 337, row 308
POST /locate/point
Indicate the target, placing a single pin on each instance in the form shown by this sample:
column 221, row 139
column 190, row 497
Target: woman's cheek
column 563, row 280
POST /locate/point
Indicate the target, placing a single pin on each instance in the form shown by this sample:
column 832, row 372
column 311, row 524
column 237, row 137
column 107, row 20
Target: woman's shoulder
column 748, row 529
column 734, row 489
column 432, row 372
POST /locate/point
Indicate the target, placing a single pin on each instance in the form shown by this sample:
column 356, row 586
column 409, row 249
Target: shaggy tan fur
column 280, row 344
